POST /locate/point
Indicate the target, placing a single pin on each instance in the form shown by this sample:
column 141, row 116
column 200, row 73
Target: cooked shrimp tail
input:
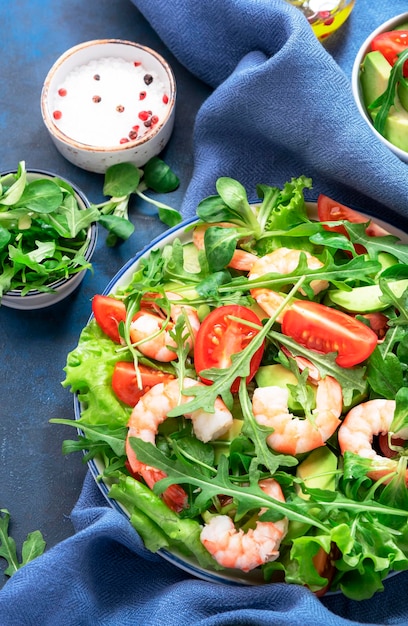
column 152, row 336
column 292, row 434
column 281, row 261
column 234, row 548
column 151, row 411
column 356, row 434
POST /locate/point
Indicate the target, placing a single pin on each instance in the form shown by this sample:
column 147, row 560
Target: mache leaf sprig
column 122, row 180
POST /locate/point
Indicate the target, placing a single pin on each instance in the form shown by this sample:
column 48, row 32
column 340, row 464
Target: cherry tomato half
column 219, row 336
column 124, row 382
column 108, row 314
column 329, row 210
column 323, row 329
column 391, row 44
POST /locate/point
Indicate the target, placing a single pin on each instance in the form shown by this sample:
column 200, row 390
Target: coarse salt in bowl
column 109, row 101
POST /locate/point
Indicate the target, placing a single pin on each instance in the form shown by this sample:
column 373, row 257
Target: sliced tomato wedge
column 378, row 323
column 108, row 314
column 323, row 329
column 385, row 448
column 391, row 44
column 330, row 210
column 124, row 381
column 324, row 566
column 220, row 336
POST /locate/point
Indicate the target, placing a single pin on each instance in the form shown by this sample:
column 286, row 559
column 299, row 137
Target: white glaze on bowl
column 99, row 158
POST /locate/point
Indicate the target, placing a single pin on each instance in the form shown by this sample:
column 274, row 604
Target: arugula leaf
column 251, row 497
column 374, row 245
column 33, row 546
column 113, row 436
column 386, row 100
column 206, row 395
column 352, row 380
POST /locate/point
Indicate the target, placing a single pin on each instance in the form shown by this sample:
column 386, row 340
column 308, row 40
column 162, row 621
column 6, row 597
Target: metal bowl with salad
column 379, row 83
column 271, row 446
column 48, row 235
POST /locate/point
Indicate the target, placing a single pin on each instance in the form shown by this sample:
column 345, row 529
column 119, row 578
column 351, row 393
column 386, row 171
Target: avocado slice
column 279, row 376
column 318, row 469
column 366, row 299
column 190, row 258
column 374, row 76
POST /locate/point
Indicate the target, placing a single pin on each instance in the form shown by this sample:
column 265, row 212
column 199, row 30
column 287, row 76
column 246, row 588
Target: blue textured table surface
column 38, row 485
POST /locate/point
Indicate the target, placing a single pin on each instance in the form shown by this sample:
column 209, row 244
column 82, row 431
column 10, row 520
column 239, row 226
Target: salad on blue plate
column 243, row 392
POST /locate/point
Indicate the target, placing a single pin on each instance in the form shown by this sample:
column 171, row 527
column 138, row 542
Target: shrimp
column 294, row 435
column 151, row 411
column 246, row 550
column 153, row 341
column 360, row 425
column 281, row 261
column 241, row 259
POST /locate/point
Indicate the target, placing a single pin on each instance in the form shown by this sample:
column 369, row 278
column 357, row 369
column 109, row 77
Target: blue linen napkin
column 103, row 576
column 281, row 107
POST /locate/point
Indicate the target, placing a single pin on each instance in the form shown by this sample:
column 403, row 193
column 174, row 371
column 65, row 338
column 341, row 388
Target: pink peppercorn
column 124, row 140
column 62, row 92
column 142, row 95
column 144, row 115
column 57, row 115
column 165, row 98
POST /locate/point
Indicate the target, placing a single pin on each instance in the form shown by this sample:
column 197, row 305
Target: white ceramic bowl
column 61, row 288
column 109, row 101
column 391, row 24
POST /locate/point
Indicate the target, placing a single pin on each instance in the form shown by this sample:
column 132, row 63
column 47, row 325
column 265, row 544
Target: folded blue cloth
column 281, row 107
column 103, row 576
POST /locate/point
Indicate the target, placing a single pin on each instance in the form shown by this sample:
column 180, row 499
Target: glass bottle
column 324, row 16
